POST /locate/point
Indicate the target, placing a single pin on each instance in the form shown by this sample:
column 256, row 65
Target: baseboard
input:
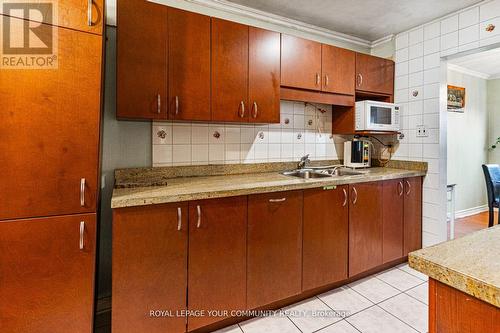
column 469, row 211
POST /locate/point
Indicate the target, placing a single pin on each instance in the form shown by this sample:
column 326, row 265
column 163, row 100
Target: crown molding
column 382, row 40
column 494, row 76
column 467, row 71
column 233, row 8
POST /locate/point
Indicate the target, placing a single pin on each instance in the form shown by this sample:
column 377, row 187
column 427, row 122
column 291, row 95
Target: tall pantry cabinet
column 49, row 179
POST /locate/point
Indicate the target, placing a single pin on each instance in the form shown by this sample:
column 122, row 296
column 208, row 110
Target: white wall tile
column 402, row 55
column 181, row 133
column 432, row 30
column 415, row 65
column 416, row 36
column 401, row 68
column 401, row 41
column 401, row 82
column 432, row 60
column 489, row 10
column 468, row 18
column 431, row 120
column 199, row 134
column 432, row 45
column 431, row 75
column 401, row 96
column 468, row 35
column 415, row 93
column 449, row 24
column 161, row 134
column 181, row 153
column 232, row 152
column 233, row 134
column 431, row 91
column 449, row 41
column 216, row 134
column 431, row 105
column 431, row 151
column 416, row 108
column 416, row 50
column 162, row 154
column 416, row 79
column 216, row 152
column 199, row 153
column 468, row 47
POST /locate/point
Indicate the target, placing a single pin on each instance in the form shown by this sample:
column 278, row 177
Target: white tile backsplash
column 303, row 130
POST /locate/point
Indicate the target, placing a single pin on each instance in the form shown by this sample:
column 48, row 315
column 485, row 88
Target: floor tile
column 311, row 315
column 399, row 279
column 230, row 329
column 374, row 289
column 376, row 320
column 420, row 292
column 408, row 310
column 339, row 327
column 345, row 300
column 271, row 324
column 413, row 272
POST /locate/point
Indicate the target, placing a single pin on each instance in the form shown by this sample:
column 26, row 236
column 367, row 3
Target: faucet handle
column 305, row 158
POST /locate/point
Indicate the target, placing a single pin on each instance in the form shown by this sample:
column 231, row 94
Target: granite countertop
column 218, row 186
column 470, row 264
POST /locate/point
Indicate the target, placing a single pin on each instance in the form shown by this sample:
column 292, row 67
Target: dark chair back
column 492, row 177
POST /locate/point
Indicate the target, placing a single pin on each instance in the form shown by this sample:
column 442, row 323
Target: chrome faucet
column 303, row 161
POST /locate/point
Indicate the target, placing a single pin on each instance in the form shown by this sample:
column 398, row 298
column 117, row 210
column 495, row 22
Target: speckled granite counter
column 470, row 264
column 218, row 186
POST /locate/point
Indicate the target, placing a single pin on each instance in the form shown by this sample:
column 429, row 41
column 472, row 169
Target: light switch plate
column 422, row 131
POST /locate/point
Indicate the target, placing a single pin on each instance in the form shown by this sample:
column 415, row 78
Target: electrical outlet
column 422, row 131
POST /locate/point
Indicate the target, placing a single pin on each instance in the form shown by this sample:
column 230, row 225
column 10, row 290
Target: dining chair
column 492, row 177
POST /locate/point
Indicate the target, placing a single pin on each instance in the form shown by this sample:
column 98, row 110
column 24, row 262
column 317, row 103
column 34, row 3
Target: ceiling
column 485, row 64
column 367, row 19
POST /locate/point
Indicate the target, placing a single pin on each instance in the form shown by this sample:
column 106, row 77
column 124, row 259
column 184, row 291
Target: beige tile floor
column 393, row 301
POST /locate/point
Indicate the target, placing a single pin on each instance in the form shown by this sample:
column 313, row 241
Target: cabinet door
column 49, row 132
column 338, row 67
column 229, row 71
column 141, row 60
column 47, row 274
column 374, row 74
column 300, row 63
column 74, row 14
column 325, row 244
column 188, row 65
column 264, row 76
column 217, row 258
column 274, row 260
column 365, row 227
column 150, row 246
column 412, row 214
column 393, row 220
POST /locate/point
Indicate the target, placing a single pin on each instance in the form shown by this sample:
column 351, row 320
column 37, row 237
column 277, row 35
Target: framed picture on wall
column 456, row 99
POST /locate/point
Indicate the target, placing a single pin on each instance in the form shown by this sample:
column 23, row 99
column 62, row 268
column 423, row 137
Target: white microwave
column 377, row 116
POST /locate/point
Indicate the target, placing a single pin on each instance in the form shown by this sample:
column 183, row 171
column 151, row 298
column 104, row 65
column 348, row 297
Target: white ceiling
column 367, row 19
column 485, row 64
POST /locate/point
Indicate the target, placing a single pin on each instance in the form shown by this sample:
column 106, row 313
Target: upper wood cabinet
column 264, row 76
column 141, row 60
column 365, row 227
column 150, row 246
column 412, row 214
column 188, row 65
column 374, row 74
column 393, row 219
column 50, row 132
column 300, row 63
column 337, row 68
column 217, row 258
column 87, row 16
column 274, row 259
column 325, row 238
column 48, row 269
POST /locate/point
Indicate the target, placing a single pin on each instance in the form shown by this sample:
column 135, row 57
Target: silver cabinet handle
column 400, row 185
column 345, row 197
column 82, row 192
column 409, row 188
column 176, row 105
column 158, row 103
column 360, row 79
column 82, row 234
column 327, row 80
column 198, row 209
column 277, row 200
column 255, row 110
column 355, row 199
column 318, row 79
column 89, row 13
column 179, row 218
column 242, row 109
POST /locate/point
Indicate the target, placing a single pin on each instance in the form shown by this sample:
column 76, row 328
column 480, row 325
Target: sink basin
column 343, row 172
column 306, row 174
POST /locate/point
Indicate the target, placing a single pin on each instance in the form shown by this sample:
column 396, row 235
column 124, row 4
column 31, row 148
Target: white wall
column 494, row 119
column 468, row 142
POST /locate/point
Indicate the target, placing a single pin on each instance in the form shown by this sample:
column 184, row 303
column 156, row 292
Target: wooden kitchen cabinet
column 337, row 68
column 149, row 268
column 229, row 71
column 374, row 74
column 365, row 227
column 264, row 76
column 141, row 60
column 300, row 63
column 217, row 257
column 274, row 258
column 325, row 236
column 188, row 65
column 412, row 214
column 50, row 132
column 72, row 14
column 47, row 270
column 393, row 217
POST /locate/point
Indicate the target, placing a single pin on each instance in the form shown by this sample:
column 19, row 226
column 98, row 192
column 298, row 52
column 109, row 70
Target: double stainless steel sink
column 321, row 173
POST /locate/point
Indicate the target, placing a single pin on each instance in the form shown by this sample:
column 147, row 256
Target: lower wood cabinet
column 365, row 226
column 150, row 246
column 47, row 268
column 217, row 258
column 325, row 238
column 393, row 216
column 412, row 214
column 274, row 259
